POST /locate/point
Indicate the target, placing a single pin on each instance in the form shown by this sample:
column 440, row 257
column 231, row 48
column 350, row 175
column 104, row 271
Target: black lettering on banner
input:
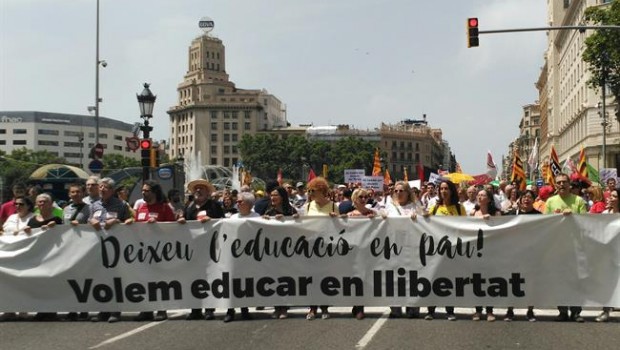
column 104, row 293
column 330, row 286
column 200, row 289
column 386, row 248
column 349, row 282
column 111, row 252
column 447, row 248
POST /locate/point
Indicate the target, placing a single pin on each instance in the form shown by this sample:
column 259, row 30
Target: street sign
column 98, row 151
column 540, row 182
column 95, row 166
column 133, row 143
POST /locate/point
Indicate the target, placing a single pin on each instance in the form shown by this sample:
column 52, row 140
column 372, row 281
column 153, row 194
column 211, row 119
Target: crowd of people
column 102, row 204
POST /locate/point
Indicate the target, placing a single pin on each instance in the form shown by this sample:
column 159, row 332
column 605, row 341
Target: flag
column 279, row 176
column 569, row 166
column 545, row 172
column 458, row 168
column 420, row 173
column 554, row 166
column 406, row 176
column 532, row 160
column 325, row 171
column 247, row 178
column 311, row 175
column 583, row 166
column 376, row 164
column 592, row 174
column 387, row 179
column 518, row 174
column 491, row 167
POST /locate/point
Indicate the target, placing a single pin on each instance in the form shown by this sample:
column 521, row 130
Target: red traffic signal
column 145, row 144
column 472, row 32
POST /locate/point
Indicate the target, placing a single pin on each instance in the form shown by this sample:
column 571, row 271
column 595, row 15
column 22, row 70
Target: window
column 118, row 137
column 235, row 114
column 2, row 131
column 91, row 135
column 226, row 161
column 48, row 132
column 246, row 114
column 118, row 148
column 213, row 114
column 103, row 136
column 234, row 137
column 226, row 115
column 72, row 155
column 213, row 161
column 234, row 149
column 226, row 126
column 213, row 126
column 47, row 143
column 235, row 125
column 213, row 137
column 246, row 126
column 19, row 142
column 213, row 149
column 2, row 142
column 226, row 137
column 19, row 131
column 226, row 149
column 73, row 133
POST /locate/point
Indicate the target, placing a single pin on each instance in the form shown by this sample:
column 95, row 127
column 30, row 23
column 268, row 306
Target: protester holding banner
column 447, row 205
column 279, row 204
column 106, row 212
column 511, row 203
column 403, row 203
column 8, row 208
column 45, row 218
column 566, row 203
column 202, row 208
column 76, row 212
column 154, row 209
column 16, row 222
column 245, row 203
column 484, row 208
column 319, row 205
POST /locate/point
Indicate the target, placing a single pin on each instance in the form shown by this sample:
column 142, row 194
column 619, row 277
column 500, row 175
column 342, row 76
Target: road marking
column 134, row 331
column 373, row 330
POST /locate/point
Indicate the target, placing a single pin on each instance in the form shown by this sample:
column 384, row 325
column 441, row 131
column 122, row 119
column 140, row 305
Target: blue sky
column 357, row 62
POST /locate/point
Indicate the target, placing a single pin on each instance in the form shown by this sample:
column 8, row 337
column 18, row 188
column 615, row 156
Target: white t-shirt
column 252, row 214
column 394, row 209
column 14, row 224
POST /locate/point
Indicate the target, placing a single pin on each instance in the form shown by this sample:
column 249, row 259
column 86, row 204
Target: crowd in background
column 102, row 204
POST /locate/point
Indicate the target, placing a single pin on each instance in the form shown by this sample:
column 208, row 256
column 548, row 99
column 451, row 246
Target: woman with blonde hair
column 404, row 203
column 319, row 205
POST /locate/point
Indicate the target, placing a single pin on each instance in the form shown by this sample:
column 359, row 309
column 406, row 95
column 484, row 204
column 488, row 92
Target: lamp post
column 146, row 101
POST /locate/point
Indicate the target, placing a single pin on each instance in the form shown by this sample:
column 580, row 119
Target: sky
column 356, row 62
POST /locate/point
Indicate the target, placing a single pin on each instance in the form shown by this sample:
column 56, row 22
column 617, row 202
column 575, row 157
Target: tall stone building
column 571, row 113
column 212, row 114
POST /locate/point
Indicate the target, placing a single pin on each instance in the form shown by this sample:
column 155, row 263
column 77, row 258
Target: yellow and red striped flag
column 518, row 174
column 387, row 179
column 376, row 164
column 583, row 166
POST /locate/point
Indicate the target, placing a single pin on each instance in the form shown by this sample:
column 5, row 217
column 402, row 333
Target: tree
column 17, row 166
column 602, row 51
column 115, row 162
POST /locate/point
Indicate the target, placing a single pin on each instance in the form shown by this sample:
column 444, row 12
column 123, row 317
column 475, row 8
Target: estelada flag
column 518, row 174
column 376, row 164
column 554, row 166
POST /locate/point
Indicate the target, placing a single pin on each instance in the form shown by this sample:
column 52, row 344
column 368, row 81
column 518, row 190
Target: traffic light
column 145, row 149
column 472, row 32
column 153, row 158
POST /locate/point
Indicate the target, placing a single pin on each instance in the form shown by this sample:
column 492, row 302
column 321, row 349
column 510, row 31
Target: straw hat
column 200, row 182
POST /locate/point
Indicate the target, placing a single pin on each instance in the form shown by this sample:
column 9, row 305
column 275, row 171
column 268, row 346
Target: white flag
column 532, row 161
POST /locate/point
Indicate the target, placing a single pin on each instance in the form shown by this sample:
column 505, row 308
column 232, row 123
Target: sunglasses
column 362, row 197
column 399, row 191
column 20, row 204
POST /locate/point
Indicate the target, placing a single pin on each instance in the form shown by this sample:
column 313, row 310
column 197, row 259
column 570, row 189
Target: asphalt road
column 342, row 331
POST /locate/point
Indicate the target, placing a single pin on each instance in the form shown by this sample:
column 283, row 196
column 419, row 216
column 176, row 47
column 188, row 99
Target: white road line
column 134, row 331
column 361, row 344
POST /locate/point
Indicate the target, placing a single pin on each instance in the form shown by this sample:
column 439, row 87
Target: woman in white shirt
column 15, row 223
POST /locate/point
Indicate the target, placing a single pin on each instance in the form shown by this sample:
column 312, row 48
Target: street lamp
column 102, row 63
column 146, row 101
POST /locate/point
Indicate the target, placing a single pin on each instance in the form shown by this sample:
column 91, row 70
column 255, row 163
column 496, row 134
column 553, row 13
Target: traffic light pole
column 582, row 28
column 146, row 153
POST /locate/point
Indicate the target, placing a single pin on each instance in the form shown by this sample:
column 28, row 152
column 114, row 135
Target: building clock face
column 206, row 24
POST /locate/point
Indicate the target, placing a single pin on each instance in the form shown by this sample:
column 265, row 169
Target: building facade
column 64, row 135
column 572, row 115
column 212, row 114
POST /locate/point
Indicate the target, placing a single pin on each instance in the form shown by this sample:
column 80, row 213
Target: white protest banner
column 415, row 184
column 373, row 182
column 503, row 261
column 434, row 178
column 353, row 175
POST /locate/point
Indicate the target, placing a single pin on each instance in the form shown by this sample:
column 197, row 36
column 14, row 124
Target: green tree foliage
column 17, row 166
column 265, row 154
column 115, row 162
column 602, row 51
